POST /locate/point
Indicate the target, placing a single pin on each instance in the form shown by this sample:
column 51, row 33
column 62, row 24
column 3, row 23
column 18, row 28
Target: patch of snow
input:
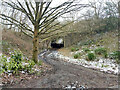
column 24, row 63
column 74, row 85
column 0, row 54
column 71, row 53
column 8, row 59
column 68, row 87
column 36, row 69
column 22, row 72
column 9, row 74
column 105, row 65
column 42, row 54
column 91, row 51
column 78, row 51
column 5, row 56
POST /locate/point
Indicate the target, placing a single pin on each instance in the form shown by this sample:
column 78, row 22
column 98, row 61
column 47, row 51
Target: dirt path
column 65, row 73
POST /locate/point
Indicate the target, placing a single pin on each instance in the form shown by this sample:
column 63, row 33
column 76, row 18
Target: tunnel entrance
column 57, row 43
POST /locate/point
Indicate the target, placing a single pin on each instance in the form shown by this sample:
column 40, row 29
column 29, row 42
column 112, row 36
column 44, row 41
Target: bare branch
column 47, row 6
column 14, row 21
column 29, row 10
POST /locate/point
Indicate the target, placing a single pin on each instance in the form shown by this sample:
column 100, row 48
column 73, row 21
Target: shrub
column 29, row 66
column 86, row 49
column 105, row 55
column 72, row 49
column 118, row 61
column 3, row 64
column 100, row 51
column 76, row 56
column 115, row 55
column 76, row 49
column 17, row 56
column 14, row 64
column 91, row 56
column 11, row 65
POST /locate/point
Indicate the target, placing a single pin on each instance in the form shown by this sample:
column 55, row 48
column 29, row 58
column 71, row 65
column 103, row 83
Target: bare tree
column 41, row 16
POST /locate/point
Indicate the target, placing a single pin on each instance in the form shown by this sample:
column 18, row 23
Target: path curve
column 65, row 73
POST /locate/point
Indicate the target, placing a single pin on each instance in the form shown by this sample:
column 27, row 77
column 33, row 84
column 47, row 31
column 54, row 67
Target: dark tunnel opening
column 56, row 45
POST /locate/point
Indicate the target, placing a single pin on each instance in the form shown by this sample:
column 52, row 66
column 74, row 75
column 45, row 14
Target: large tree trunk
column 35, row 45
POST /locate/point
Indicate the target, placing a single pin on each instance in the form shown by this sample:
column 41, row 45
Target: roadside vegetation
column 16, row 58
column 29, row 28
column 106, row 47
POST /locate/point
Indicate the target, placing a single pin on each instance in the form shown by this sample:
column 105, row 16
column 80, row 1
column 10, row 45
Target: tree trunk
column 35, row 45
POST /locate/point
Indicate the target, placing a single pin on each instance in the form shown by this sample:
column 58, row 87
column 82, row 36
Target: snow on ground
column 35, row 68
column 5, row 57
column 105, row 65
column 0, row 54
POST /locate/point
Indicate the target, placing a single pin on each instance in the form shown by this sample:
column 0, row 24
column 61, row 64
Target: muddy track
column 65, row 73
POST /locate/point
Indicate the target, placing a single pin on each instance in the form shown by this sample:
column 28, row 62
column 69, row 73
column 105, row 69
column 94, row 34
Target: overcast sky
column 58, row 2
column 77, row 14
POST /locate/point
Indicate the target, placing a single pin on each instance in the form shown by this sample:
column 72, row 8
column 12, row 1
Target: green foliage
column 105, row 55
column 86, row 50
column 118, row 61
column 104, row 65
column 77, row 55
column 115, row 55
column 40, row 62
column 91, row 56
column 100, row 51
column 29, row 66
column 3, row 64
column 14, row 64
column 74, row 49
column 17, row 56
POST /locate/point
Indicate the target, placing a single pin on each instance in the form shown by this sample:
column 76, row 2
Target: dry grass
column 65, row 51
column 15, row 41
column 109, row 40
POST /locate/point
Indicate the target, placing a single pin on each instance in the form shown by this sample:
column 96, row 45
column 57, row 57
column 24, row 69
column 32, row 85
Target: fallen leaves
column 10, row 79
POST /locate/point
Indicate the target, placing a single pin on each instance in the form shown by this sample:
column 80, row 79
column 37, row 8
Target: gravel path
column 65, row 74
